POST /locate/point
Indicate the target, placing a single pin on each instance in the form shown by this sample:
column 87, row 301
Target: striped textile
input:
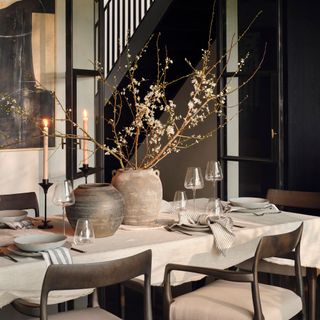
column 221, row 227
column 24, row 224
column 59, row 255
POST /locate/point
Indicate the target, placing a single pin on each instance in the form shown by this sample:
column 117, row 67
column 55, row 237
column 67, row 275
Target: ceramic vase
column 142, row 193
column 101, row 203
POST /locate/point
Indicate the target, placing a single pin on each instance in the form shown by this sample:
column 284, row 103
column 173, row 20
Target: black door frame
column 279, row 159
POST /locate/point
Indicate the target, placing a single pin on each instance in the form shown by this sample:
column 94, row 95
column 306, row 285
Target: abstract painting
column 27, row 71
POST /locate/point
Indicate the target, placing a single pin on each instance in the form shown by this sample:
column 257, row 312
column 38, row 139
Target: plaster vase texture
column 142, row 193
column 102, row 204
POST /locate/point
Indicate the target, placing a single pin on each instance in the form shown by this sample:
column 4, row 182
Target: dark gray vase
column 102, row 204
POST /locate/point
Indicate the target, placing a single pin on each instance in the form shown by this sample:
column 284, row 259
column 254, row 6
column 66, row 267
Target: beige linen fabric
column 230, row 300
column 24, row 279
column 86, row 314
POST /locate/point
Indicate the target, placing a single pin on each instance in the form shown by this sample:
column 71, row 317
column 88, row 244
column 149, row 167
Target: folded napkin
column 221, row 227
column 166, row 206
column 59, row 255
column 24, row 224
column 270, row 209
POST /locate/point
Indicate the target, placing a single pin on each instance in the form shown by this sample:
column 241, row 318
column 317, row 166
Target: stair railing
column 122, row 18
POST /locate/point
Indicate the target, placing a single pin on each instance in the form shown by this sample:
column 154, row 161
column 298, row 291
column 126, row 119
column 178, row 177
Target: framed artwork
column 27, row 71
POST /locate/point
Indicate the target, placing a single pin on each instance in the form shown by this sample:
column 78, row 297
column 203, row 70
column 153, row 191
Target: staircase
column 184, row 27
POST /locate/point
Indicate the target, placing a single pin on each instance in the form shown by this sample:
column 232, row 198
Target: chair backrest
column 295, row 199
column 95, row 275
column 281, row 245
column 20, row 201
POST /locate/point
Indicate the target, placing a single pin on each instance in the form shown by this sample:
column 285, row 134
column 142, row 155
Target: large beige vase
column 142, row 193
column 101, row 203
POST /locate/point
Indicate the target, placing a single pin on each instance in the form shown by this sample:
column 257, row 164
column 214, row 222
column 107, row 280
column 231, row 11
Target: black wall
column 302, row 87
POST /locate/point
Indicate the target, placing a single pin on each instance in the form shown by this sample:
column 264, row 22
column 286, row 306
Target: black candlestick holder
column 86, row 170
column 45, row 184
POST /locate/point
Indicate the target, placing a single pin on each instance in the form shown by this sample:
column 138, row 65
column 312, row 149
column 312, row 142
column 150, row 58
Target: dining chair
column 96, row 275
column 292, row 199
column 20, row 201
column 238, row 294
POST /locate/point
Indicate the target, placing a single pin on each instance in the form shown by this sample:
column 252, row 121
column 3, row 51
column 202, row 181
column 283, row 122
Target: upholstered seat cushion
column 85, row 314
column 225, row 300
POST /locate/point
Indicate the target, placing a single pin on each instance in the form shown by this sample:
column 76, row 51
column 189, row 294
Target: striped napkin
column 221, row 227
column 59, row 255
column 24, row 224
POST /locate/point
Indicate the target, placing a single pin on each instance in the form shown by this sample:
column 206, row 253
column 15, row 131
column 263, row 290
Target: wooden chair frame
column 95, row 275
column 306, row 200
column 20, row 201
column 294, row 199
column 281, row 245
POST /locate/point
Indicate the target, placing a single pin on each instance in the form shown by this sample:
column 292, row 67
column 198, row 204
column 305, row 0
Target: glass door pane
column 249, row 141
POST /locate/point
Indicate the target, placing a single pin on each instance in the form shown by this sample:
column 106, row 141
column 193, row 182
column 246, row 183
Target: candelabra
column 86, row 171
column 45, row 184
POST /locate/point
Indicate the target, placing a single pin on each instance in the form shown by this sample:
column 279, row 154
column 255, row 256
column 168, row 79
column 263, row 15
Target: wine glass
column 84, row 233
column 214, row 174
column 180, row 201
column 63, row 196
column 194, row 181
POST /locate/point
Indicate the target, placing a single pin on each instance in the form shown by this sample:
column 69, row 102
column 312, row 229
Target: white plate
column 250, row 202
column 195, row 227
column 39, row 242
column 12, row 248
column 12, row 215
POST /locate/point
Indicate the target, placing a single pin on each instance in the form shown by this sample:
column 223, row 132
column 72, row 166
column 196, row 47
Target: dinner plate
column 194, row 227
column 249, row 202
column 12, row 215
column 14, row 249
column 39, row 242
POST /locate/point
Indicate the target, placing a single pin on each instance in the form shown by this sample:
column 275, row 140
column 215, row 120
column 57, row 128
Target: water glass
column 214, row 207
column 180, row 201
column 84, row 233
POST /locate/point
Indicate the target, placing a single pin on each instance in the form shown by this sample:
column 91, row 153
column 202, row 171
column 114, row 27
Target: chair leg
column 312, row 293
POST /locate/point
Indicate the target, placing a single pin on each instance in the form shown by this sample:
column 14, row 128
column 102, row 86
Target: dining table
column 23, row 279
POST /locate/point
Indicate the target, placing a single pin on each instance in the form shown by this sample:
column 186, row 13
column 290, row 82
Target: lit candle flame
column 45, row 122
column 85, row 114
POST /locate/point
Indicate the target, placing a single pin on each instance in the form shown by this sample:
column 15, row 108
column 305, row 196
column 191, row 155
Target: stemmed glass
column 214, row 174
column 63, row 196
column 194, row 181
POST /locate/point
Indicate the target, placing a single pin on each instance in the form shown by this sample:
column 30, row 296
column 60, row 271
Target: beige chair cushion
column 225, row 300
column 85, row 314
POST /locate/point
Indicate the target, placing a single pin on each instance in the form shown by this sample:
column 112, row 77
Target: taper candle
column 85, row 141
column 45, row 148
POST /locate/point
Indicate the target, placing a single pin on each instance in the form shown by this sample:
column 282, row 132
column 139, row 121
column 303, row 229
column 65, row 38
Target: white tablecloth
column 24, row 279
